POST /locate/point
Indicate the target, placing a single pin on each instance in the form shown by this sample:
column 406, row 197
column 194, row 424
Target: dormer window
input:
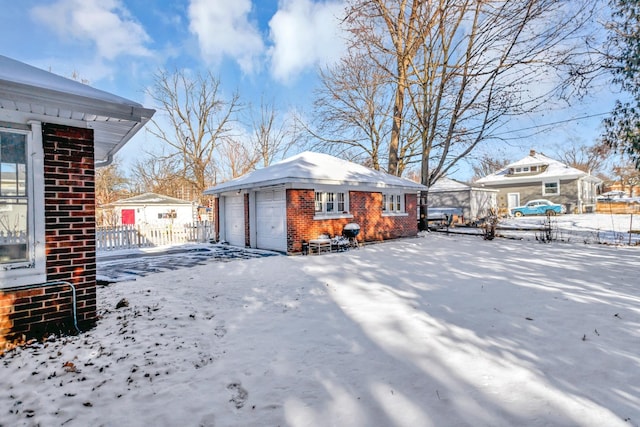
column 525, row 169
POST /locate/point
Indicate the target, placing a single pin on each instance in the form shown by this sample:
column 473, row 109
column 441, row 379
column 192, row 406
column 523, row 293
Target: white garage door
column 271, row 231
column 234, row 220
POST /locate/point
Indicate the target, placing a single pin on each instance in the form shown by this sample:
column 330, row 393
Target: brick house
column 311, row 194
column 53, row 133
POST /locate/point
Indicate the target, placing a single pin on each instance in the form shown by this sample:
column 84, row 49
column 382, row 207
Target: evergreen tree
column 622, row 128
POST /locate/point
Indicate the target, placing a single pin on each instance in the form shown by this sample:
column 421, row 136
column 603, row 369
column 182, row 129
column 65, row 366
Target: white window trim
column 394, row 211
column 33, row 271
column 544, row 188
column 320, row 215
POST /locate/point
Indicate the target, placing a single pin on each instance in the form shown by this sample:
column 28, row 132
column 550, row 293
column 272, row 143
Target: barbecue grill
column 351, row 231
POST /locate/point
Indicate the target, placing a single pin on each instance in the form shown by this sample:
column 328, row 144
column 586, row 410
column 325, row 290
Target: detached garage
column 271, row 230
column 313, row 194
column 233, row 220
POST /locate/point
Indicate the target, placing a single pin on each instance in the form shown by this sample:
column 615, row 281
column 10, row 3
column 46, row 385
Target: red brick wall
column 216, row 218
column 247, row 231
column 69, row 210
column 366, row 209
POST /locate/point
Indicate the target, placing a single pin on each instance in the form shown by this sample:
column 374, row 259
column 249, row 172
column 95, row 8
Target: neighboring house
column 540, row 177
column 311, row 194
column 153, row 209
column 475, row 202
column 53, row 133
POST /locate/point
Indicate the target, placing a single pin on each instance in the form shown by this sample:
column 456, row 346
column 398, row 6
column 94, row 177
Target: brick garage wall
column 366, row 210
column 216, row 218
column 247, row 230
column 70, row 246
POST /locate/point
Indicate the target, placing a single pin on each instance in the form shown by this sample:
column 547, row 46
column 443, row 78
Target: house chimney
column 532, row 153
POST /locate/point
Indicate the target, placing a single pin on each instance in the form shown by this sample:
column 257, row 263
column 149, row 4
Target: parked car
column 538, row 207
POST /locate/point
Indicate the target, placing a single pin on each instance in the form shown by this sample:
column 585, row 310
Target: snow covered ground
column 587, row 228
column 439, row 330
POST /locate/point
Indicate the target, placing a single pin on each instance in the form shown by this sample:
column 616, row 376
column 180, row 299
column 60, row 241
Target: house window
column 330, row 203
column 392, row 203
column 21, row 222
column 523, row 170
column 551, row 188
column 14, row 200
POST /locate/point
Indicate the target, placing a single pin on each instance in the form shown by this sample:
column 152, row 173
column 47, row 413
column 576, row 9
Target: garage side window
column 392, row 203
column 14, row 200
column 330, row 203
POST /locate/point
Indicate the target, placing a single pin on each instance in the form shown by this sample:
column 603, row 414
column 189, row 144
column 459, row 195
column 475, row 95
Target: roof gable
column 448, row 184
column 318, row 169
column 150, row 199
column 548, row 169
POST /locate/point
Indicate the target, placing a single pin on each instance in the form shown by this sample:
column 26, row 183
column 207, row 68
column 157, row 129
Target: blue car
column 538, row 207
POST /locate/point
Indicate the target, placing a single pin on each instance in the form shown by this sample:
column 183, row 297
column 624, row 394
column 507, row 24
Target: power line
column 590, row 116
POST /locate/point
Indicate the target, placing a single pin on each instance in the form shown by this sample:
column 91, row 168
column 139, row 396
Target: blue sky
column 263, row 48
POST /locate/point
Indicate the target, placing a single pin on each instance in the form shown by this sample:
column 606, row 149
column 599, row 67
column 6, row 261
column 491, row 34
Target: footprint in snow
column 240, row 395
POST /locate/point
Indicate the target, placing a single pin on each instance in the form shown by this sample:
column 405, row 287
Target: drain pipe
column 58, row 283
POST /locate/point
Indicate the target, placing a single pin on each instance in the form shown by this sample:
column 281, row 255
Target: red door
column 128, row 217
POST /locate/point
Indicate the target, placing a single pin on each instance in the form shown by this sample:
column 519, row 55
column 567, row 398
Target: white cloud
column 223, row 29
column 105, row 23
column 305, row 34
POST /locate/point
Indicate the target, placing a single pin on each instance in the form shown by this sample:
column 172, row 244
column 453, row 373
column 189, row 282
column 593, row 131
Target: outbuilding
column 53, row 133
column 474, row 202
column 310, row 195
column 153, row 209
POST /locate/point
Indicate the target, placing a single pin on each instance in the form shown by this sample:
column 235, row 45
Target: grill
column 351, row 231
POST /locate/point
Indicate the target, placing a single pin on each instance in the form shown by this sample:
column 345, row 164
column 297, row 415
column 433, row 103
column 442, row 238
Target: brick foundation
column 70, row 246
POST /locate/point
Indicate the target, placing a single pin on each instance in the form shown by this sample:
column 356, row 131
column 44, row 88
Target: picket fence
column 145, row 236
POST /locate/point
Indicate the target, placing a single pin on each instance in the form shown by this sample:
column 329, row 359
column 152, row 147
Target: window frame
column 547, row 193
column 33, row 270
column 394, row 204
column 338, row 200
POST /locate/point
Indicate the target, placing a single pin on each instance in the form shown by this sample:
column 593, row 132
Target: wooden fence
column 132, row 236
column 617, row 208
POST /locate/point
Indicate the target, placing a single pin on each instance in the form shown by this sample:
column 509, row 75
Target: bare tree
column 486, row 165
column 352, row 109
column 392, row 33
column 200, row 119
column 236, row 159
column 484, row 63
column 463, row 68
column 162, row 174
column 593, row 159
column 627, row 175
column 272, row 136
column 111, row 185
